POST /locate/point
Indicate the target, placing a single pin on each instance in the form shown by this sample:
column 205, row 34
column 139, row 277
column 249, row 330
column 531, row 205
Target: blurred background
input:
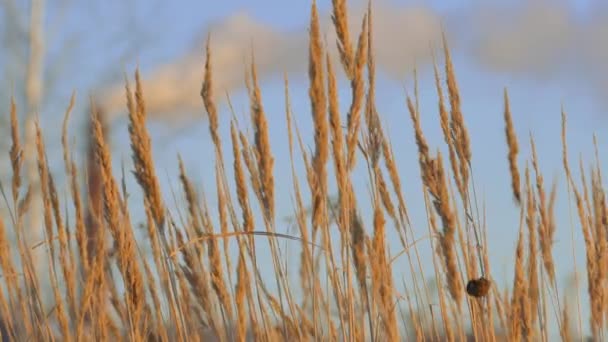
column 548, row 54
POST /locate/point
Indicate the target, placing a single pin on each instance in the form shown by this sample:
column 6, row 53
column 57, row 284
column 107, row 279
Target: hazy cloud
column 540, row 39
column 176, row 86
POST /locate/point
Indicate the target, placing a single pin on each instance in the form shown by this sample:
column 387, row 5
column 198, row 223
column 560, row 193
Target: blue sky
column 535, row 102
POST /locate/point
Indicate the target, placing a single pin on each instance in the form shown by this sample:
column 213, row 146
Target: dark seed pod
column 478, row 287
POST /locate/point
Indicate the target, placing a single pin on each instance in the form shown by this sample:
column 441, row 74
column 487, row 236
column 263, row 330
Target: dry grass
column 193, row 287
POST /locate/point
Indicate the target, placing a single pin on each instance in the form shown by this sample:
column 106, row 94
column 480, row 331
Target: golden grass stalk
column 393, row 173
column 374, row 130
column 119, row 224
column 265, row 169
column 592, row 266
column 459, row 131
column 14, row 292
column 242, row 195
column 217, row 268
column 533, row 274
column 16, row 151
column 240, row 296
column 159, row 328
column 546, row 229
column 444, row 120
column 248, row 155
column 190, row 197
column 340, row 19
column 317, row 174
column 358, row 91
column 208, row 100
column 94, row 186
column 10, row 279
column 207, row 95
column 64, row 132
column 45, row 183
column 382, row 276
column 65, row 254
column 241, row 183
column 198, row 278
column 519, row 315
column 263, row 151
column 142, row 151
column 598, row 228
column 438, row 188
column 435, row 181
column 565, row 328
column 44, row 189
column 513, row 150
column 73, row 185
column 423, row 147
column 93, row 302
column 318, row 102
